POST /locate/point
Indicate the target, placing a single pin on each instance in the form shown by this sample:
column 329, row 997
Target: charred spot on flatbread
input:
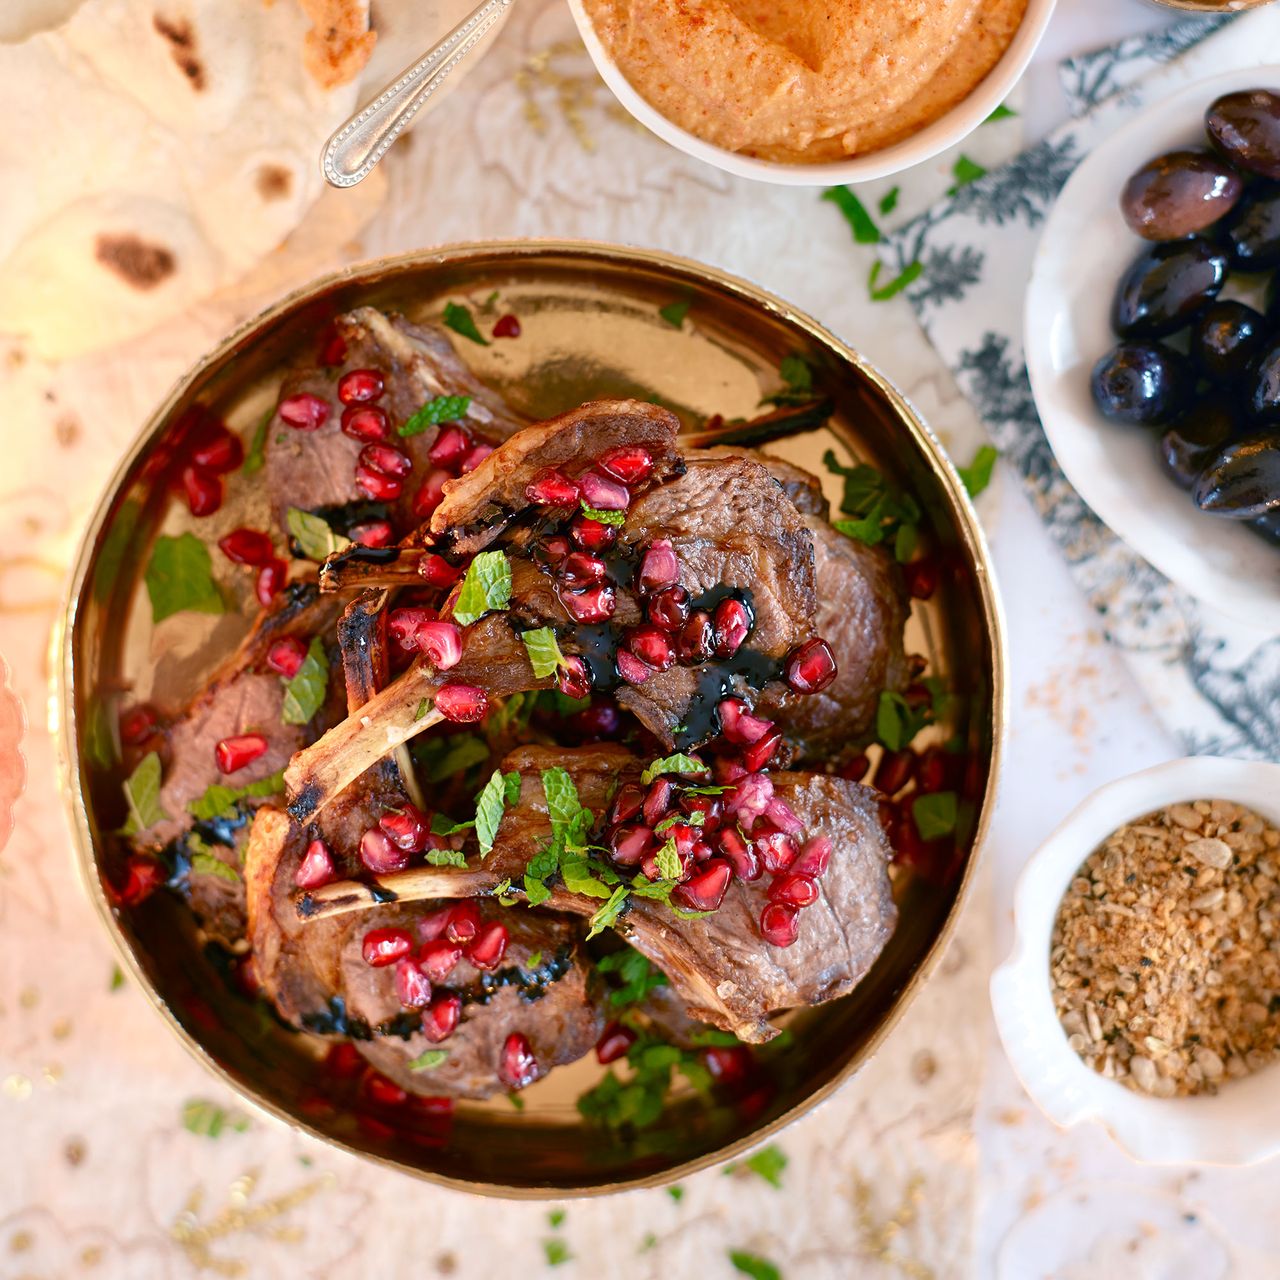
column 182, row 47
column 134, row 260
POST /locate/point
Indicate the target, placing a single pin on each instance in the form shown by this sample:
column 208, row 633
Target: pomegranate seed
column 758, row 754
column 432, row 925
column 412, row 985
column 931, row 775
column 437, row 571
column 430, row 493
column 738, row 726
column 921, row 578
column 669, row 608
column 143, row 876
column 693, row 645
column 630, row 843
column 632, row 464
column 776, row 849
column 552, row 488
column 895, row 770
column 581, row 569
column 489, row 946
column 630, row 668
column 441, row 642
column 303, row 412
column 403, row 625
column 730, row 626
column 333, row 348
column 203, row 491
column 626, row 804
column 856, row 769
column 373, row 484
column 360, row 386
column 441, row 1018
column 374, row 1128
column 780, row 813
column 216, row 449
column 385, row 1092
column 506, row 327
column 271, row 580
column 811, row 667
column 705, row 890
column 234, row 753
column 439, row 957
column 463, row 922
column 798, row 890
column 779, row 924
column 614, row 1042
column 286, row 656
column 652, row 646
column 604, row 494
column 138, row 724
column 379, row 855
column 574, row 678
column 659, row 567
column 592, row 535
column 597, row 722
column 247, row 546
column 595, row 604
column 382, row 947
column 814, row 859
column 517, row 1067
column 316, row 867
column 372, row 533
column 657, row 803
column 551, row 550
column 344, row 1061
column 462, row 703
column 366, row 423
column 407, row 828
column 711, row 808
column 732, row 845
column 474, row 457
column 684, row 836
column 449, row 447
column 702, row 851
column 728, row 1064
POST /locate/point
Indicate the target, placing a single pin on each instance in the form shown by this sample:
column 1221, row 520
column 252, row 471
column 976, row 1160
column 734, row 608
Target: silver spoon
column 349, row 156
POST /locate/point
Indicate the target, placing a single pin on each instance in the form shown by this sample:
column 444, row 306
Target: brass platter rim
column 512, row 251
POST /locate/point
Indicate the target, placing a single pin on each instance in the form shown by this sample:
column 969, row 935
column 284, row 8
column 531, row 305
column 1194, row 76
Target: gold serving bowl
column 592, row 327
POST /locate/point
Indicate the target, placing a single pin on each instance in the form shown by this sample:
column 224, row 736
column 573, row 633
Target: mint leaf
column 429, row 1060
column 977, row 475
column 313, row 535
column 179, row 577
column 209, row 864
column 305, row 692
column 207, row 1119
column 555, row 1218
column 142, row 795
column 889, row 201
column 441, row 825
column 257, row 454
column 536, row 958
column 544, row 651
column 219, row 801
column 456, row 753
column 1000, row 113
column 602, row 517
column 768, row 1163
column 563, row 804
column 897, row 722
column 678, row 763
column 117, row 978
column 864, row 229
column 490, row 806
column 608, row 914
column 798, row 376
column 436, row 410
column 755, row 1267
column 935, row 814
column 511, row 787
column 446, row 858
column 637, row 975
column 557, row 1252
column 964, row 172
column 674, row 312
column 580, row 877
column 895, row 286
column 676, row 1193
column 458, row 318
column 668, row 860
column 486, row 587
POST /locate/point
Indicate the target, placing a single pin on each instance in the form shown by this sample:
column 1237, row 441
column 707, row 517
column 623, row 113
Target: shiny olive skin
column 1251, row 235
column 1263, row 398
column 1226, row 338
column 1268, row 526
column 1179, row 193
column 1245, row 128
column 1142, row 383
column 1197, row 437
column 1243, row 481
column 1166, row 287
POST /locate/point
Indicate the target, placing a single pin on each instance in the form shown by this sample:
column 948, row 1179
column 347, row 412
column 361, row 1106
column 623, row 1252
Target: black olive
column 1262, row 401
column 1243, row 481
column 1143, row 383
column 1179, row 193
column 1197, row 438
column 1226, row 338
column 1166, row 287
column 1268, row 526
column 1252, row 232
column 1245, row 127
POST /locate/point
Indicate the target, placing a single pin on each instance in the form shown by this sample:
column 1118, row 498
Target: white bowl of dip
column 1240, row 1124
column 954, row 124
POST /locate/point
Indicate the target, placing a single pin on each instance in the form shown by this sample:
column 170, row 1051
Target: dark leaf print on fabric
column 1245, row 697
column 948, row 272
column 1023, row 189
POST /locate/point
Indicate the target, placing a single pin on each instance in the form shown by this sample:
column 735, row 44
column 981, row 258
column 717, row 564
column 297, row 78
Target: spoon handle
column 349, row 156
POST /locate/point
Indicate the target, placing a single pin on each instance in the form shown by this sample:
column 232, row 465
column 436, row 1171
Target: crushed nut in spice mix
column 1165, row 958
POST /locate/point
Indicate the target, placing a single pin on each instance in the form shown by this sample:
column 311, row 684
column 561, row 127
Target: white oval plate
column 1083, row 252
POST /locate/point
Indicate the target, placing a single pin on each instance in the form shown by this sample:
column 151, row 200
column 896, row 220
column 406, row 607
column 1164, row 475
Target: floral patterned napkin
column 1214, row 683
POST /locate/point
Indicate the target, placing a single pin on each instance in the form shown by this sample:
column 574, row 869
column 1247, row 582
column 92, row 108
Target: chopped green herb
column 429, row 1060
column 257, row 454
column 544, row 651
column 441, row 825
column 516, row 1101
column 423, row 707
column 536, row 958
column 647, row 1243
column 219, row 801
column 603, row 517
column 964, row 172
column 638, row 1102
column 451, row 755
column 798, row 377
column 678, row 763
column 209, row 864
column 897, row 721
column 486, row 587
column 676, row 1192
column 977, row 475
column 459, row 319
column 304, row 693
column 768, row 1163
column 179, row 578
column 142, row 795
column 674, row 312
column 889, row 201
column 880, row 511
column 490, row 805
column 117, row 978
column 637, row 975
column 446, row 858
column 855, row 213
column 935, row 814
column 668, row 860
column 754, row 1267
column 100, row 741
column 557, row 1252
column 895, row 286
column 436, row 410
column 209, row 1120
column 607, row 916
column 555, row 1219
column 313, row 535
column 1000, row 113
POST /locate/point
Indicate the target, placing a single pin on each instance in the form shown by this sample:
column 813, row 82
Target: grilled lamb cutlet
column 313, row 467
